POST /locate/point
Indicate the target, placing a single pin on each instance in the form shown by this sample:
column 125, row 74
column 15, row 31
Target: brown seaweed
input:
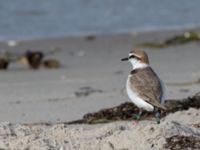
column 51, row 63
column 6, row 58
column 196, row 125
column 127, row 110
column 86, row 91
column 4, row 63
column 90, row 37
column 180, row 142
column 178, row 105
column 34, row 58
column 184, row 38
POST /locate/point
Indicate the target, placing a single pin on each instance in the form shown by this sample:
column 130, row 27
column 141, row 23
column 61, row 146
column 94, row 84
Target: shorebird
column 143, row 86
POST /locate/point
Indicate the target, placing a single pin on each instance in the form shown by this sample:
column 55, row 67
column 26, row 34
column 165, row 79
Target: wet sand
column 92, row 78
column 50, row 95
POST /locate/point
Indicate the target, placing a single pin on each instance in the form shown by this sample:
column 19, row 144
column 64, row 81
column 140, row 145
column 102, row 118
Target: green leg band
column 137, row 117
column 158, row 120
column 157, row 115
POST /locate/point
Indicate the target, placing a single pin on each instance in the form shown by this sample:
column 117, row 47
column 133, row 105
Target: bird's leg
column 157, row 115
column 138, row 116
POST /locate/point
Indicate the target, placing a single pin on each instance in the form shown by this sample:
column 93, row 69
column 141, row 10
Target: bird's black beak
column 124, row 59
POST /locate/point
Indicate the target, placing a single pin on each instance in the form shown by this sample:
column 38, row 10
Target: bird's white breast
column 139, row 102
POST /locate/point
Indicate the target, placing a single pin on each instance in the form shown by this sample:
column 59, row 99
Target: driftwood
column 127, row 110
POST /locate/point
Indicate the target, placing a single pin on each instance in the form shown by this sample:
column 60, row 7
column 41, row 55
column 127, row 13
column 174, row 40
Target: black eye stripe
column 132, row 56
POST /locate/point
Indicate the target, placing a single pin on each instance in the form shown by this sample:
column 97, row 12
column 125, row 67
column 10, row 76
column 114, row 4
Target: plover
column 144, row 87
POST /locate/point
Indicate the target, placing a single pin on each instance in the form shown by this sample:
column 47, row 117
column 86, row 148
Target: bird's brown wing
column 147, row 85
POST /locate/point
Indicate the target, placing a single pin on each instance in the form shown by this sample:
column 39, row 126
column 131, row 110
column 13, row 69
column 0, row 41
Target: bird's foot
column 135, row 122
column 136, row 119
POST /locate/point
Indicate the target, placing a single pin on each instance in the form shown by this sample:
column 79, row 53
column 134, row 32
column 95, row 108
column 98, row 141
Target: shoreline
column 144, row 31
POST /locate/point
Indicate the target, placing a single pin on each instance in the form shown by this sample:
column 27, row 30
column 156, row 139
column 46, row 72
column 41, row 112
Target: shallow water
column 22, row 19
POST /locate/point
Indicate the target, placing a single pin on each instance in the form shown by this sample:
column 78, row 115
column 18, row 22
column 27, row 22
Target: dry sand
column 113, row 136
column 29, row 96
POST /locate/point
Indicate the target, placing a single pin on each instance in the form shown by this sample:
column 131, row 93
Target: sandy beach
column 93, row 64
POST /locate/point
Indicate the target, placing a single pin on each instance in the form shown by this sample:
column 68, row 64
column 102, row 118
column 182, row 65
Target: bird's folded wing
column 147, row 85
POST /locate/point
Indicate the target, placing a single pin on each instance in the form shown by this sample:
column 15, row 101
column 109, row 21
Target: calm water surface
column 21, row 19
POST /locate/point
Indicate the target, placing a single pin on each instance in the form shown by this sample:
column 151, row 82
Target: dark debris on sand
column 197, row 125
column 5, row 59
column 86, row 91
column 51, row 63
column 4, row 63
column 34, row 59
column 90, row 37
column 178, row 142
column 184, row 104
column 127, row 110
column 184, row 38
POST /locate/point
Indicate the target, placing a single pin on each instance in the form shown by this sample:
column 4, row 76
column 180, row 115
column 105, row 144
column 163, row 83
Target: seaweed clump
column 178, row 105
column 127, row 110
column 184, row 38
column 51, row 63
column 6, row 58
column 124, row 111
column 36, row 59
column 86, row 91
column 178, row 142
column 33, row 59
column 4, row 63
